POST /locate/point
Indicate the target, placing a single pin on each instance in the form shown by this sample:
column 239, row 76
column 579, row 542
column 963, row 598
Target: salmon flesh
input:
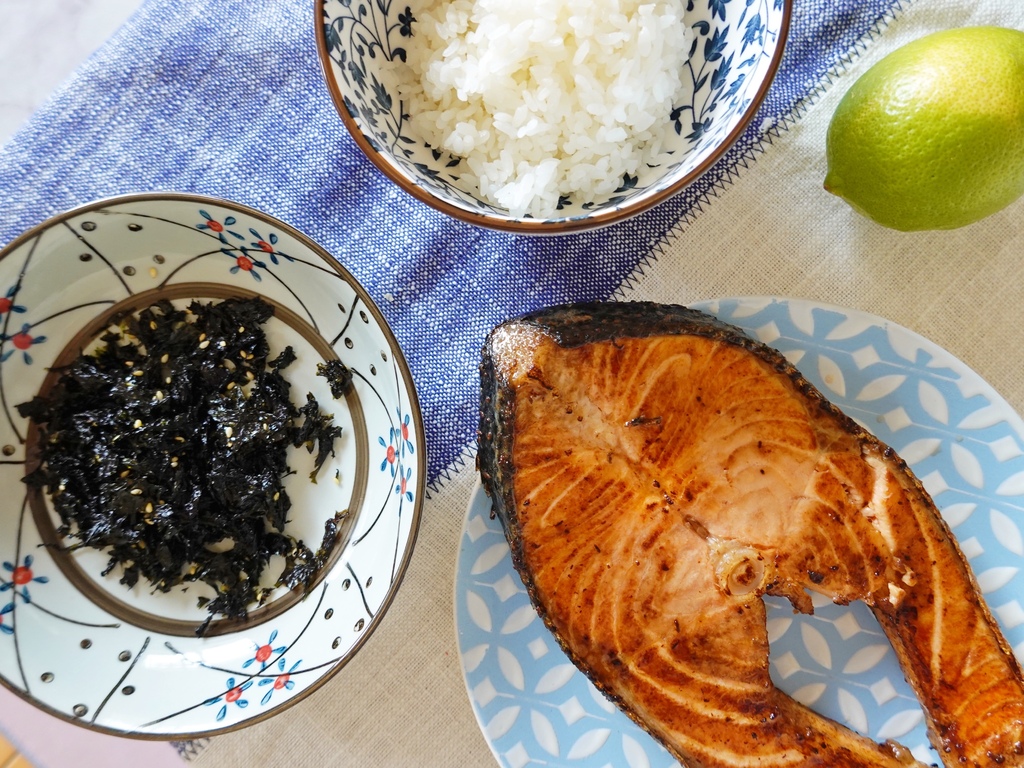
column 657, row 472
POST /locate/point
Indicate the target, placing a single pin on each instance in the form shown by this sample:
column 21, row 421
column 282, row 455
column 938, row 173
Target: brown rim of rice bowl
column 529, row 226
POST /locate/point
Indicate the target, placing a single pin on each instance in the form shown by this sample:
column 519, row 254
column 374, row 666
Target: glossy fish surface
column 657, row 472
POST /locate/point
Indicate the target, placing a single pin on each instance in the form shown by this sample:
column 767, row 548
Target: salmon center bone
column 740, row 569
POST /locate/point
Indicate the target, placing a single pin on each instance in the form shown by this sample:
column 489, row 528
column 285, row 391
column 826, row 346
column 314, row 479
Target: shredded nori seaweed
column 167, row 447
column 338, row 375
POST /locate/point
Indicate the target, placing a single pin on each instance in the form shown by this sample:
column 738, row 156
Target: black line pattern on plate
column 113, row 690
column 391, row 423
column 116, row 272
column 349, row 314
column 362, row 590
column 163, row 283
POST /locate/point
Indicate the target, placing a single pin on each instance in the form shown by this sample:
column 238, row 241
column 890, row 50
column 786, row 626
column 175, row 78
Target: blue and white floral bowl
column 737, row 47
column 88, row 649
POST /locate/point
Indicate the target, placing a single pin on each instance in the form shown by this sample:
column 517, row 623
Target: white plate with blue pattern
column 964, row 442
column 76, row 642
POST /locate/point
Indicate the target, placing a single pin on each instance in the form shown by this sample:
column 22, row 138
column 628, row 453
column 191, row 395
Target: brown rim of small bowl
column 414, row 410
column 557, row 226
column 46, row 520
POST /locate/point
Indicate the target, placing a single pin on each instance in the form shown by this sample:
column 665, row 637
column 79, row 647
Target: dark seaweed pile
column 167, row 447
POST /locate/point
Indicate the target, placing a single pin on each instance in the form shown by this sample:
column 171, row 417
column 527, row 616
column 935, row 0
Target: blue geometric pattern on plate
column 959, row 436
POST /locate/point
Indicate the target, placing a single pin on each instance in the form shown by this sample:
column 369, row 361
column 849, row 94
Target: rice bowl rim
column 559, row 226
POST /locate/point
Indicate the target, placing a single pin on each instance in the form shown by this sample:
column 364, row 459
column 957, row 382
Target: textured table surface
column 758, row 225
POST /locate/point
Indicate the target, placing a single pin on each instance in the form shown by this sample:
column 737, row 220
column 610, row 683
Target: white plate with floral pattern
column 961, row 438
column 127, row 661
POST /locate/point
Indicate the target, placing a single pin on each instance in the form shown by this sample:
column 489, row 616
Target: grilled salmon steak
column 657, row 472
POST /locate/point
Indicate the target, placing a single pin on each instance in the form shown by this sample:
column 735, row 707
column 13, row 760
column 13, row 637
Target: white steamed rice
column 545, row 98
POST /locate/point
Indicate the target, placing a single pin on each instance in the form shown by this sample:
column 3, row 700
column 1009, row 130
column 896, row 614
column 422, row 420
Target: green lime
column 932, row 136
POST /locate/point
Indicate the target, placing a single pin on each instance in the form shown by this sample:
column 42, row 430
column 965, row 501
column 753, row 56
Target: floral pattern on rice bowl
column 365, row 50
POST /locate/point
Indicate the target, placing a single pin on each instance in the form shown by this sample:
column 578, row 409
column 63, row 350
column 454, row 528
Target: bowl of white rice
column 548, row 116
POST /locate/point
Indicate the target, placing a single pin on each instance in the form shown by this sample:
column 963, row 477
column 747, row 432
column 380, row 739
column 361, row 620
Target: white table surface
column 41, row 43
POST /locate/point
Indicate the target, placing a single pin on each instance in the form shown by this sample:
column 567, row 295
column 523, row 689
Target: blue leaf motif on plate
column 7, row 302
column 406, row 20
column 478, row 611
column 720, row 76
column 994, row 579
column 866, row 658
column 21, row 341
column 718, row 8
column 5, row 627
column 881, row 387
column 490, row 558
column 268, row 245
column 398, row 446
column 967, row 465
column 900, row 724
column 282, row 681
column 244, row 263
column 853, row 710
column 233, row 695
column 816, row 645
column 21, row 576
column 832, row 375
column 219, row 228
column 263, row 653
column 502, row 722
column 933, row 402
column 699, row 129
column 636, row 756
column 753, row 32
column 715, row 45
column 511, row 669
column 1007, row 533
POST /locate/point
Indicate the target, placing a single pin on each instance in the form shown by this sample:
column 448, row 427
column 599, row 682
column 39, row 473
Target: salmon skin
column 657, row 472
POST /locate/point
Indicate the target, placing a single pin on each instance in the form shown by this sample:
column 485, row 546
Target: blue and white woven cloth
column 227, row 99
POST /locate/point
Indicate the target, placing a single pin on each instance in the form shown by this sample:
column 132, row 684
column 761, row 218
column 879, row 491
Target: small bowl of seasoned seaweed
column 213, row 464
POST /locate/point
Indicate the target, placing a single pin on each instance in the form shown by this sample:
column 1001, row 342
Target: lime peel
column 932, row 136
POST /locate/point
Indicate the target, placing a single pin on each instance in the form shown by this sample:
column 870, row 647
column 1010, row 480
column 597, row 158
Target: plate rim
column 712, row 306
column 415, row 413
